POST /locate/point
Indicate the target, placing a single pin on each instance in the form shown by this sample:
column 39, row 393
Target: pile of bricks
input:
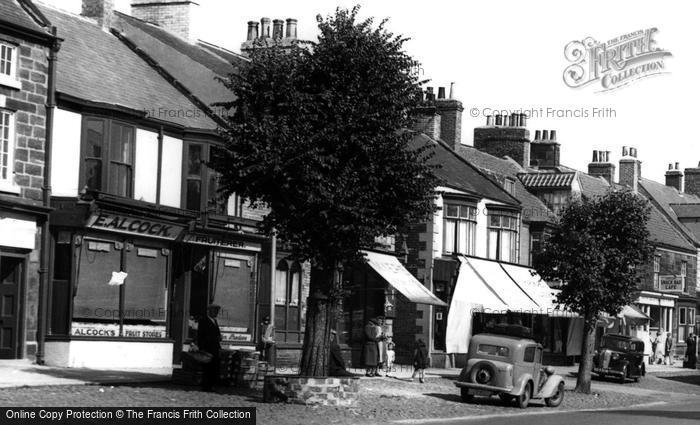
column 340, row 391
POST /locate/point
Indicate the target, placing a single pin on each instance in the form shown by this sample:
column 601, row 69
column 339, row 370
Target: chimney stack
column 692, row 180
column 545, row 151
column 674, row 177
column 501, row 138
column 601, row 166
column 100, row 10
column 172, row 15
column 630, row 168
column 450, row 111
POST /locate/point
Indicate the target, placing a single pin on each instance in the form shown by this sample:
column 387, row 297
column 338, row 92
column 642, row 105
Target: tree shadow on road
column 685, row 379
column 481, row 401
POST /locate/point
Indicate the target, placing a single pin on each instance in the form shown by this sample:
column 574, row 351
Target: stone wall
column 338, row 391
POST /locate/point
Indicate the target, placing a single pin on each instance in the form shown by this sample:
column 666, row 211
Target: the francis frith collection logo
column 615, row 63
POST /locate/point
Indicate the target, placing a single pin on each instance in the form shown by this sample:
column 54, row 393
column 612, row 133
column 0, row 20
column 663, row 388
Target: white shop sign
column 111, row 330
column 17, row 233
column 236, row 337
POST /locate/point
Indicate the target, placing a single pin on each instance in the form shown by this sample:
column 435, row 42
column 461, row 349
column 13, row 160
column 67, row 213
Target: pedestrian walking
column 420, row 361
column 654, row 345
column 668, row 349
column 209, row 340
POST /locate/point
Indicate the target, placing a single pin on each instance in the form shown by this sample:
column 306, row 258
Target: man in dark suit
column 209, row 340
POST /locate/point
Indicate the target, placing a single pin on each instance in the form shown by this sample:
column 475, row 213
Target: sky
column 510, row 55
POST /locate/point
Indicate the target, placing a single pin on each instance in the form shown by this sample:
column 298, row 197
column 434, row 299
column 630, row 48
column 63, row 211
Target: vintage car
column 510, row 366
column 620, row 356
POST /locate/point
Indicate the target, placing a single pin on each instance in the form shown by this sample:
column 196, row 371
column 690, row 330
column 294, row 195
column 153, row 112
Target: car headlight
column 615, row 356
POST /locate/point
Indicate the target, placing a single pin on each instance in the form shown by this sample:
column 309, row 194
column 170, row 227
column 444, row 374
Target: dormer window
column 509, row 186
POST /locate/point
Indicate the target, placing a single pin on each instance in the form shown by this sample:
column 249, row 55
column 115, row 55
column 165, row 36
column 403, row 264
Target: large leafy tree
column 595, row 251
column 317, row 134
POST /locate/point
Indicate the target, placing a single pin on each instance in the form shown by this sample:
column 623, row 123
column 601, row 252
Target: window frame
column 684, row 274
column 499, row 229
column 10, row 80
column 471, row 225
column 657, row 270
column 289, row 305
column 105, row 155
column 7, row 184
column 206, row 173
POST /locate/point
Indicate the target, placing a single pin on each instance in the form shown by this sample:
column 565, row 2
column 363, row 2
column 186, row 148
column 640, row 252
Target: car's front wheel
column 466, row 396
column 557, row 398
column 524, row 398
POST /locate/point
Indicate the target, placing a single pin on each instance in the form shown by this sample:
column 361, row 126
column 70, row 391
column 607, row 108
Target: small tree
column 317, row 136
column 595, row 251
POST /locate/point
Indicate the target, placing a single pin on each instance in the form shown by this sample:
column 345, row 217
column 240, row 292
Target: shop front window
column 503, row 236
column 234, row 291
column 110, row 304
column 686, row 322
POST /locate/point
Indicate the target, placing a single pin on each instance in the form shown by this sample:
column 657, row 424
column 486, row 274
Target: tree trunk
column 583, row 381
column 321, row 312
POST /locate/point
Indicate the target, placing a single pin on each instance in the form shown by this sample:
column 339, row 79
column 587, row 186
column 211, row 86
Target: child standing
column 420, row 361
column 390, row 356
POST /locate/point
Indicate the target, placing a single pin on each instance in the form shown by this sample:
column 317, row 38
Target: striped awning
column 547, row 180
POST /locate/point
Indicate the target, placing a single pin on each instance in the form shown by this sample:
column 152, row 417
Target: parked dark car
column 620, row 356
column 511, row 367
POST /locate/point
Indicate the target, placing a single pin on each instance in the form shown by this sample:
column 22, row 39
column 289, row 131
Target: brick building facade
column 25, row 45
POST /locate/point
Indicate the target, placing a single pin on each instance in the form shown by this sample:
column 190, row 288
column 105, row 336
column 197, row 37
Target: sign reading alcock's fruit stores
column 670, row 284
column 134, row 226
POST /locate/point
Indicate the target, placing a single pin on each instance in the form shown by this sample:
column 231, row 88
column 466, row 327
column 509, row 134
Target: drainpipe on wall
column 273, row 267
column 45, row 257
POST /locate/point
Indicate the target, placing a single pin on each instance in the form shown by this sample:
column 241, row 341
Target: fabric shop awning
column 391, row 270
column 489, row 286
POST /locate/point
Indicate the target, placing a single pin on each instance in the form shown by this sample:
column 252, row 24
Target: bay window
column 503, row 236
column 108, row 156
column 459, row 229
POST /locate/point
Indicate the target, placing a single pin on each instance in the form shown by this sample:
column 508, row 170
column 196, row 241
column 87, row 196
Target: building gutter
column 45, row 257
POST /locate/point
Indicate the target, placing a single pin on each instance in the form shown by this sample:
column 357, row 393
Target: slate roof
column 96, row 66
column 686, row 210
column 591, row 185
column 458, row 173
column 19, row 14
column 547, row 180
column 669, row 199
column 534, row 210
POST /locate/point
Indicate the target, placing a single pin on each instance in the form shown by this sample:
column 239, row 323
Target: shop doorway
column 11, row 273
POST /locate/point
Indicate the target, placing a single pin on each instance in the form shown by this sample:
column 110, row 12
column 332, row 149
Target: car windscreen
column 615, row 344
column 493, row 350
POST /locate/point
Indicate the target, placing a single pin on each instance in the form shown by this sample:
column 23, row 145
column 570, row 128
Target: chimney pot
column 515, row 119
column 595, row 156
column 441, row 92
column 670, row 166
column 607, row 156
column 677, row 164
column 538, row 134
column 624, row 151
column 489, row 119
column 545, row 134
column 523, row 120
column 265, row 28
column 553, row 135
column 633, row 152
column 291, row 28
column 499, row 119
column 277, row 29
column 252, row 30
column 452, row 90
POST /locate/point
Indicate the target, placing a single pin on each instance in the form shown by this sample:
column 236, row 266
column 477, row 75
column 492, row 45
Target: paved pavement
column 18, row 373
